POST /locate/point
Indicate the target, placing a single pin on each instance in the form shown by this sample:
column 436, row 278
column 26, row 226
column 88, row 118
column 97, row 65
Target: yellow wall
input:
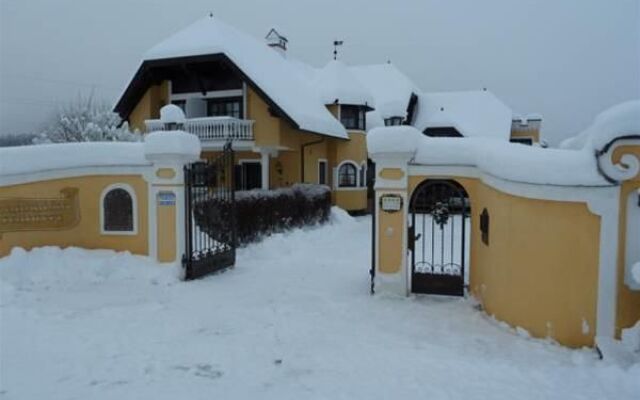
column 391, row 231
column 540, row 269
column 266, row 127
column 149, row 106
column 87, row 232
column 531, row 133
column 166, row 232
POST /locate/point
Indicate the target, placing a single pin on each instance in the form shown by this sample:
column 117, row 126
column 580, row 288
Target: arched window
column 118, row 210
column 347, row 175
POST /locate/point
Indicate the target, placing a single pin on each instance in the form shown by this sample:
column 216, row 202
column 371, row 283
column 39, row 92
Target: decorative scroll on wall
column 37, row 214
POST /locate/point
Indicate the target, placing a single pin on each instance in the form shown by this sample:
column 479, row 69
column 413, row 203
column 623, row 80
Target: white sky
column 567, row 60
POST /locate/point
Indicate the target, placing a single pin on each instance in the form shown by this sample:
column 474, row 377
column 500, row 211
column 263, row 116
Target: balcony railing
column 211, row 128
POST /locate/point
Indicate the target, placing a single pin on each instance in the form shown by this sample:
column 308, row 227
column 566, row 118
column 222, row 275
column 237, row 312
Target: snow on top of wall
column 336, row 84
column 175, row 146
column 277, row 77
column 48, row 157
column 473, row 113
column 391, row 89
column 620, row 120
column 499, row 158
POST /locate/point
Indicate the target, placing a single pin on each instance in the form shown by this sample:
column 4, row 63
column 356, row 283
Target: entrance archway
column 439, row 237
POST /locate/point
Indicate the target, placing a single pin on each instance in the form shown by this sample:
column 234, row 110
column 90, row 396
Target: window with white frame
column 118, row 210
column 347, row 175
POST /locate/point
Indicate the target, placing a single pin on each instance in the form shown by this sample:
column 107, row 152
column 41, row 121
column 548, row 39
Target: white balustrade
column 211, row 128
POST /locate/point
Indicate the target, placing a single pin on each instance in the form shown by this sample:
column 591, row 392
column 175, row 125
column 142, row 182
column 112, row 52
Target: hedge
column 262, row 212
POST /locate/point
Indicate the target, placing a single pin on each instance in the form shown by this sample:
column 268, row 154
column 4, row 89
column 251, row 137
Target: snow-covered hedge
column 262, row 212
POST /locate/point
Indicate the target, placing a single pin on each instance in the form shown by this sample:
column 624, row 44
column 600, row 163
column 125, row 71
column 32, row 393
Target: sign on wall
column 166, row 198
column 391, row 202
column 36, row 214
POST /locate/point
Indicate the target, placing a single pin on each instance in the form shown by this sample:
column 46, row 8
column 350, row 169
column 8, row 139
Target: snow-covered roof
column 391, row 89
column 272, row 73
column 336, row 84
column 473, row 113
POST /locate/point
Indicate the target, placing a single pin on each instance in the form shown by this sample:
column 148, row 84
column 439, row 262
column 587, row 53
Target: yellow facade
column 87, row 231
column 530, row 275
column 149, row 106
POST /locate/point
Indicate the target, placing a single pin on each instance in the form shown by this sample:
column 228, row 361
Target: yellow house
column 290, row 122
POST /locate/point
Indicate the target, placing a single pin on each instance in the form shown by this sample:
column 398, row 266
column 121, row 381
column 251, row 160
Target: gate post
column 391, row 148
column 168, row 153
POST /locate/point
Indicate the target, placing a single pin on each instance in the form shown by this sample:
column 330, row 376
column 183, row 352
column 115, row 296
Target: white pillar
column 265, row 168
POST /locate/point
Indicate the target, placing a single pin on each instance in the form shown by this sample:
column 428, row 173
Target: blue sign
column 166, row 199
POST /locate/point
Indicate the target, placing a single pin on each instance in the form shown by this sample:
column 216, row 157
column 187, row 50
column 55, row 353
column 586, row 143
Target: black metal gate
column 210, row 224
column 438, row 237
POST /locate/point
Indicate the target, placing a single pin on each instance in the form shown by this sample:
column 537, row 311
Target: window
column 393, row 121
column 484, row 226
column 182, row 104
column 352, row 117
column 118, row 211
column 322, row 172
column 363, row 175
column 248, row 175
column 347, row 175
column 445, row 131
column 522, row 140
column 225, row 107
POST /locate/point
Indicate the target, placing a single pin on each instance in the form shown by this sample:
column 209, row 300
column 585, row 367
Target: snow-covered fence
column 121, row 196
column 551, row 230
column 262, row 212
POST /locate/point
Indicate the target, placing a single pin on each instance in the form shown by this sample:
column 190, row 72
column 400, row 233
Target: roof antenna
column 336, row 43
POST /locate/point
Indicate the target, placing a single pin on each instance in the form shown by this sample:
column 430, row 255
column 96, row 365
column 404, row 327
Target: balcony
column 211, row 129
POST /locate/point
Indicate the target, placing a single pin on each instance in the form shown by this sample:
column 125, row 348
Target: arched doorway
column 439, row 237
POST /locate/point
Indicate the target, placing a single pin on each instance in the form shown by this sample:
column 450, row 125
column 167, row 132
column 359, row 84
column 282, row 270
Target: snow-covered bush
column 262, row 212
column 87, row 121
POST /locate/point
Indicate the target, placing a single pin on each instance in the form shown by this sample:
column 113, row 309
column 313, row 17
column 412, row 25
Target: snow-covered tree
column 87, row 121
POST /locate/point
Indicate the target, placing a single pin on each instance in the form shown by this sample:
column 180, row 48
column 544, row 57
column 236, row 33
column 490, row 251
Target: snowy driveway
column 293, row 320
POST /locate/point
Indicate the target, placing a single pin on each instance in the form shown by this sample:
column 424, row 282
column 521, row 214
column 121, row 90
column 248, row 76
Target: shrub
column 262, row 212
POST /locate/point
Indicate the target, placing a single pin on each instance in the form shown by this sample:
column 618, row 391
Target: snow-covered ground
column 293, row 320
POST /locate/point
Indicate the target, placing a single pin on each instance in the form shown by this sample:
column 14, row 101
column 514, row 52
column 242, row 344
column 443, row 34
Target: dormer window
column 393, row 121
column 353, row 117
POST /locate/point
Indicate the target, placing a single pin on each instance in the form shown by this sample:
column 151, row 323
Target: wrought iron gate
column 438, row 237
column 210, row 224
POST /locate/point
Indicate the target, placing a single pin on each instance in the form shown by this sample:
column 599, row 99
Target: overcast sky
column 564, row 59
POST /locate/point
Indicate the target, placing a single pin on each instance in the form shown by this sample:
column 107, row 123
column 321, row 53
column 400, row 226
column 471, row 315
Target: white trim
column 152, row 216
column 632, row 247
column 264, row 171
column 134, row 209
column 326, row 171
column 337, row 181
column 214, row 94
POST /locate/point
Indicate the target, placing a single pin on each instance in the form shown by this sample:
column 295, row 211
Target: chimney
column 277, row 42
